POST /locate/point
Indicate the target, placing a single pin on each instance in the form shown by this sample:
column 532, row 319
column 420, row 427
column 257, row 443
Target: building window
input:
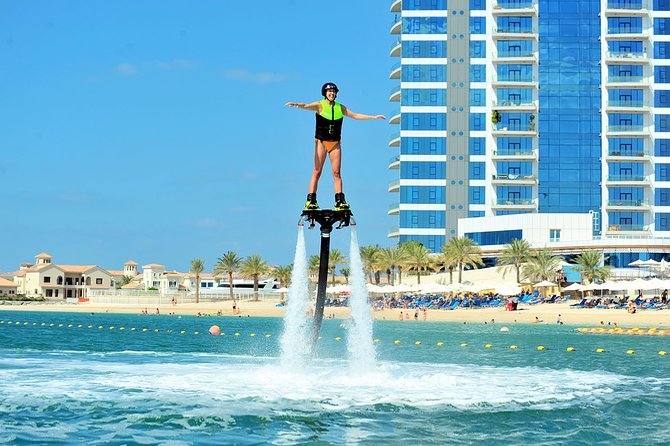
column 554, row 235
column 47, row 279
column 98, row 281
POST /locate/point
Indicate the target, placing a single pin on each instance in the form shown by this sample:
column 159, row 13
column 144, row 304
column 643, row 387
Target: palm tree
column 283, row 274
column 368, row 256
column 229, row 264
column 197, row 267
column 313, row 265
column 515, row 254
column 392, row 259
column 466, row 252
column 588, row 265
column 346, row 272
column 541, row 266
column 335, row 259
column 125, row 280
column 252, row 268
column 418, row 257
column 447, row 260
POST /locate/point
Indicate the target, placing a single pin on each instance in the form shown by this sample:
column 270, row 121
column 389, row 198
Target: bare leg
column 335, row 163
column 319, row 160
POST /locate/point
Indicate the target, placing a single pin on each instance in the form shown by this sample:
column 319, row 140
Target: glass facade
column 532, row 106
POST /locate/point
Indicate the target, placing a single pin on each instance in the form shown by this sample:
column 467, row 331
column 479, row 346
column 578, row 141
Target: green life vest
column 329, row 121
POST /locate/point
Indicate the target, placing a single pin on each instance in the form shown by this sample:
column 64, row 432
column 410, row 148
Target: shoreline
column 526, row 314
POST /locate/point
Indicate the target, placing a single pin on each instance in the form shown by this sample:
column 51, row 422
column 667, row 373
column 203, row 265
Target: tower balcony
column 513, row 82
column 524, row 57
column 514, row 7
column 396, row 5
column 618, row 57
column 396, row 49
column 627, row 130
column 395, row 94
column 396, row 27
column 514, row 155
column 517, row 130
column 396, row 70
column 394, row 232
column 514, row 33
column 626, row 82
column 394, row 186
column 394, row 209
column 515, row 204
column 394, row 162
column 626, row 34
column 628, row 205
column 628, row 231
column 627, row 107
column 394, row 117
column 628, row 156
column 508, row 106
column 623, row 8
column 513, row 180
column 394, row 140
column 627, row 180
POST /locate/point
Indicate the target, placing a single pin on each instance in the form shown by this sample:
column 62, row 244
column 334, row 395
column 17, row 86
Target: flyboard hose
column 326, row 218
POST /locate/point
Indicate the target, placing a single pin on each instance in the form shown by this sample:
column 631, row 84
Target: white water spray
column 296, row 339
column 359, row 343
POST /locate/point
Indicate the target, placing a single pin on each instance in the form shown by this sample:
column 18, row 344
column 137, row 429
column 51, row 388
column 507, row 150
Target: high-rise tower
column 542, row 119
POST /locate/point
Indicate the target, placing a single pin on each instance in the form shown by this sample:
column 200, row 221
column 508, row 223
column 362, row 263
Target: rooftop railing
column 628, row 203
column 513, row 4
column 626, row 55
column 632, row 152
column 625, row 79
column 626, row 178
column 625, row 128
column 626, row 5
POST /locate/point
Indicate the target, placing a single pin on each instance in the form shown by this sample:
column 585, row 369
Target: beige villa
column 7, row 287
column 53, row 281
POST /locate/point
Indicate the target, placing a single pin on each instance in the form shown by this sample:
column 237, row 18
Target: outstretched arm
column 360, row 116
column 314, row 106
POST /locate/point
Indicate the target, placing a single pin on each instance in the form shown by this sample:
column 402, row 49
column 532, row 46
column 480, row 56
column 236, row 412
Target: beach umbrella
column 637, row 262
column 455, row 287
column 641, row 284
column 615, row 286
column 402, row 288
column 575, row 287
column 544, row 283
column 340, row 288
column 434, row 288
column 505, row 289
column 372, row 288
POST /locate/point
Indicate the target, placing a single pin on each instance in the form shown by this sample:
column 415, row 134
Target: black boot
column 311, row 204
column 341, row 203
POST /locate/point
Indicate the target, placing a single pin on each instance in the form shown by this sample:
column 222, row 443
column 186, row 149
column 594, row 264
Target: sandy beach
column 548, row 313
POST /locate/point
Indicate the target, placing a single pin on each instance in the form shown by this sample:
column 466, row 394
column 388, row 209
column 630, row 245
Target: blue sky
column 156, row 130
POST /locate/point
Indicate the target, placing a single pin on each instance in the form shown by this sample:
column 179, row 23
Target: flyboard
column 327, row 219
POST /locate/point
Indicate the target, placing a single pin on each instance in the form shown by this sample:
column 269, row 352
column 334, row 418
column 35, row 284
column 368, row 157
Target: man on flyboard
column 327, row 141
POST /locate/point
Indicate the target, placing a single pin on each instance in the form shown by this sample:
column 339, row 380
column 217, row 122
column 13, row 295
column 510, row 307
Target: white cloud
column 208, row 223
column 177, row 64
column 126, row 69
column 260, row 77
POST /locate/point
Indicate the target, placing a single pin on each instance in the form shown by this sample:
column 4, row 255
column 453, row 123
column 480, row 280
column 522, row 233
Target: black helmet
column 328, row 86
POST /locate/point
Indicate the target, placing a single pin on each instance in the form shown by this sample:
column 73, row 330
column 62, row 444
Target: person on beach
column 327, row 141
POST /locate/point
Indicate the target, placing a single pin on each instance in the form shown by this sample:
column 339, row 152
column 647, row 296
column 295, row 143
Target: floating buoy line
column 216, row 331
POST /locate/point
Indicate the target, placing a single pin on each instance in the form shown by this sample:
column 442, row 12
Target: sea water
column 161, row 383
